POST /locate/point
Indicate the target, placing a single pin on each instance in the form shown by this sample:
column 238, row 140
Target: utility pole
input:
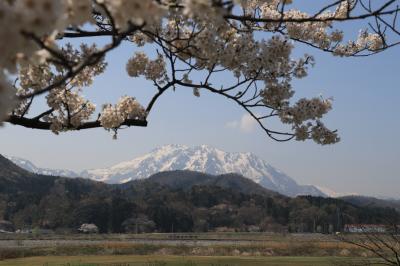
column 339, row 228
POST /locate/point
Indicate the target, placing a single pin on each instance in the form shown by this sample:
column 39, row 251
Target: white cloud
column 246, row 124
column 232, row 124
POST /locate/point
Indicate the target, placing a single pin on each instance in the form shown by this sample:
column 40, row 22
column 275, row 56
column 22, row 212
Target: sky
column 366, row 107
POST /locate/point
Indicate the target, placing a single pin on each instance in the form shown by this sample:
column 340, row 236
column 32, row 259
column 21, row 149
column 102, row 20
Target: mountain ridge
column 202, row 158
column 31, row 167
column 29, row 200
column 186, row 180
column 364, row 201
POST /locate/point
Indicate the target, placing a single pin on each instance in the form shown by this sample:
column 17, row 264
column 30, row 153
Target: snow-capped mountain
column 334, row 194
column 29, row 166
column 203, row 159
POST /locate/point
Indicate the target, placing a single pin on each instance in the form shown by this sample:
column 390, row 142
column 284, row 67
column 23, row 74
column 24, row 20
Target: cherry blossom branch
column 245, row 106
column 316, row 18
column 35, row 123
column 194, row 37
column 91, row 60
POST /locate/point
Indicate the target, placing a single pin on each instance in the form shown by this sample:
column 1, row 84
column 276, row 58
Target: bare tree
column 384, row 245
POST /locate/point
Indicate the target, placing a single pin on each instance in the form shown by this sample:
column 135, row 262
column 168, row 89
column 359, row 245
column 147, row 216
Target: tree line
column 146, row 206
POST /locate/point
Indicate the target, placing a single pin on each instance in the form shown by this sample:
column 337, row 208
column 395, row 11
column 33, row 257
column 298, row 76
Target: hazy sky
column 366, row 108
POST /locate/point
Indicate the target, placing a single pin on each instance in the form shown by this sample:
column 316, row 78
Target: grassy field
column 268, row 249
column 164, row 250
column 173, row 261
column 241, row 236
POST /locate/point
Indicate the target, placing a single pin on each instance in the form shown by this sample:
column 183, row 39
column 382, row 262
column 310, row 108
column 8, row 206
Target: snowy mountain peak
column 29, row 166
column 205, row 159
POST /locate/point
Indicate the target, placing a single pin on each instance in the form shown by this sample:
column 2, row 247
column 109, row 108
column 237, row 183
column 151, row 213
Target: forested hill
column 181, row 201
column 364, row 201
column 186, row 179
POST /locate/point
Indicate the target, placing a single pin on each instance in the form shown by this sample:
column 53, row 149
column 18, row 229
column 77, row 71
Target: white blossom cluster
column 301, row 115
column 86, row 76
column 137, row 12
column 24, row 16
column 318, row 33
column 140, row 64
column 6, row 97
column 194, row 30
column 79, row 12
column 41, row 18
column 365, row 41
column 70, row 109
column 34, row 77
column 127, row 108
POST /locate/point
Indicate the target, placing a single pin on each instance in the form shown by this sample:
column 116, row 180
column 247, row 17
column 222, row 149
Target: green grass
column 171, row 261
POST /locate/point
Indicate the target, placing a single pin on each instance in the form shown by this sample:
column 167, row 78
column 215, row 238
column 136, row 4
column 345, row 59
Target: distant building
column 139, row 225
column 6, row 227
column 24, row 231
column 253, row 228
column 88, row 229
column 365, row 228
column 224, row 229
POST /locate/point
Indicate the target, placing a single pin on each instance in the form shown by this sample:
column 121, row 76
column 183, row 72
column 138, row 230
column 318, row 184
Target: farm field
column 174, row 261
column 241, row 236
column 177, row 250
column 240, row 244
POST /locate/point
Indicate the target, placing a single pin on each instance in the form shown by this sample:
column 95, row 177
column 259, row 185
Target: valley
column 177, row 217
